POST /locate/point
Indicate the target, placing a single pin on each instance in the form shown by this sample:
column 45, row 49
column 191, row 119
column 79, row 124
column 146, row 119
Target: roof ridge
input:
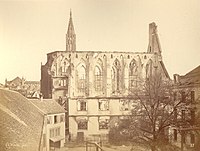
column 37, row 107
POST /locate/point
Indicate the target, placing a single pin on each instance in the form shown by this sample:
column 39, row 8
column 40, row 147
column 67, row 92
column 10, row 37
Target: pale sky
column 29, row 29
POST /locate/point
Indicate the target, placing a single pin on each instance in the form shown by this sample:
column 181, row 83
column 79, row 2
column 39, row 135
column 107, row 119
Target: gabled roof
column 21, row 123
column 48, row 106
column 16, row 80
column 194, row 72
column 191, row 78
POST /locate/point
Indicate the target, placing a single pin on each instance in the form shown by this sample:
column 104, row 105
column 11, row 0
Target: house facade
column 30, row 124
column 187, row 90
column 53, row 133
column 96, row 87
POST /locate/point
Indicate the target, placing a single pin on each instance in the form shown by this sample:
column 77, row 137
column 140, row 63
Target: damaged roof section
column 189, row 79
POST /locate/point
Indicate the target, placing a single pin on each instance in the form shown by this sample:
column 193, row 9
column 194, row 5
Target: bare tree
column 150, row 119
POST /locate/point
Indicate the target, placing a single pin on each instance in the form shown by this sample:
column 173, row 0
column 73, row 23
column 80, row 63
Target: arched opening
column 133, row 73
column 98, row 78
column 115, row 73
column 81, row 78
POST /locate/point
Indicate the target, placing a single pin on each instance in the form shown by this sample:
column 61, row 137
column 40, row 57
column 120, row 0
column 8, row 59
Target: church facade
column 96, row 87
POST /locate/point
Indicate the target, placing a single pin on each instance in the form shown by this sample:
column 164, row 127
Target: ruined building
column 95, row 87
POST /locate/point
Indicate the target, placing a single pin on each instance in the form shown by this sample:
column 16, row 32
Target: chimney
column 176, row 78
column 41, row 97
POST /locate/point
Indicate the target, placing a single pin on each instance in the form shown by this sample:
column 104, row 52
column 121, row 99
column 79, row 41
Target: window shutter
column 78, row 105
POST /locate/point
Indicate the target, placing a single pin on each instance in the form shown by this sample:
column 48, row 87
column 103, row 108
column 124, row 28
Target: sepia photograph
column 99, row 75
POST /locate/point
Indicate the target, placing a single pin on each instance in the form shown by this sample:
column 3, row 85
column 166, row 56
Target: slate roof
column 48, row 106
column 21, row 123
column 192, row 77
column 194, row 72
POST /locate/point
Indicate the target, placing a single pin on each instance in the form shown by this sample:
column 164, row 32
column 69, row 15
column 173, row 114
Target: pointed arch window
column 115, row 73
column 149, row 69
column 98, row 79
column 65, row 66
column 81, row 79
column 133, row 73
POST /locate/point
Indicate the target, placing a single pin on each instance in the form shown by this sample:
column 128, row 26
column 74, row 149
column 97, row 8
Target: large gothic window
column 115, row 73
column 132, row 75
column 98, row 79
column 81, row 83
column 149, row 69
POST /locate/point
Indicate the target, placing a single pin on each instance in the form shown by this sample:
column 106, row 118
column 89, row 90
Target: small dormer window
column 55, row 119
column 62, row 118
column 49, row 120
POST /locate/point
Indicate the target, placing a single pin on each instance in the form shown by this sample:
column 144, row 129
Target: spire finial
column 70, row 13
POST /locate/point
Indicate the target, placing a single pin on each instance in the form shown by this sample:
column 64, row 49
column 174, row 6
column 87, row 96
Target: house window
column 192, row 96
column 55, row 119
column 63, row 82
column 82, row 123
column 103, row 105
column 183, row 115
column 62, row 118
column 183, row 135
column 175, row 115
column 49, row 120
column 104, row 122
column 192, row 138
column 51, row 133
column 54, row 132
column 98, row 79
column 175, row 96
column 82, row 105
column 124, row 105
column 183, row 96
column 175, row 135
column 57, row 131
column 192, row 121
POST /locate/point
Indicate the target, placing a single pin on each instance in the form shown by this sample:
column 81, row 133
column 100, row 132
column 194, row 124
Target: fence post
column 86, row 146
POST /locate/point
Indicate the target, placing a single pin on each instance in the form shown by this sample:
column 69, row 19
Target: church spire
column 70, row 36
